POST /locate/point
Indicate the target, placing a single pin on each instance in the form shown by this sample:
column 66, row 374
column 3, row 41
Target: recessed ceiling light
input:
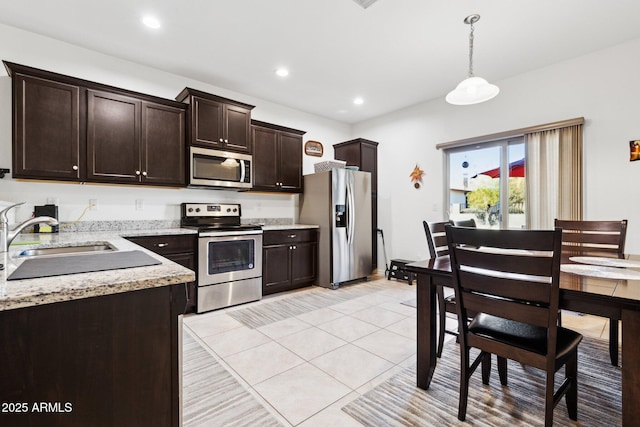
column 358, row 101
column 151, row 22
column 282, row 72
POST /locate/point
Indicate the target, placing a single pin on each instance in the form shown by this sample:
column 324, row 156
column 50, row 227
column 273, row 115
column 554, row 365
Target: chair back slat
column 496, row 347
column 605, row 238
column 507, row 309
column 505, row 239
column 539, row 293
column 436, row 238
column 535, row 263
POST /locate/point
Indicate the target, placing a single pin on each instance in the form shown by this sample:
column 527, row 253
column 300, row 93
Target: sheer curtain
column 554, row 176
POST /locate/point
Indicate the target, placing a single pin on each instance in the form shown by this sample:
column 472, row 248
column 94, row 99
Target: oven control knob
column 190, row 210
column 235, row 210
column 228, row 209
column 197, row 209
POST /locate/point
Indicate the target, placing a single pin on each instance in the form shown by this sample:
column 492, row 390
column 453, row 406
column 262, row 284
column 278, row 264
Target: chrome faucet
column 7, row 236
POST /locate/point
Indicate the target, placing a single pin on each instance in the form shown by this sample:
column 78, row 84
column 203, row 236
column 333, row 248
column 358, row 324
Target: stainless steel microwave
column 214, row 168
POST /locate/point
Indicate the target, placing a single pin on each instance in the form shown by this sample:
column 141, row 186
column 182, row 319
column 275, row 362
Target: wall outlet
column 93, row 204
column 139, row 204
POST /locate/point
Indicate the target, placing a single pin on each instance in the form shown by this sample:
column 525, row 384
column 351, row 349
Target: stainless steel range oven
column 229, row 255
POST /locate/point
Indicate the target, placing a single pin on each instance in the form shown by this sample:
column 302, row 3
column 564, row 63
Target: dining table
column 584, row 288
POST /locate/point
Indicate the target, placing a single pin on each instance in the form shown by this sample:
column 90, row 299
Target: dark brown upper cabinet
column 134, row 141
column 46, row 129
column 217, row 122
column 65, row 128
column 277, row 158
column 113, row 138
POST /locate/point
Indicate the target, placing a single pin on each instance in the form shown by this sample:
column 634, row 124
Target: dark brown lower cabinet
column 289, row 259
column 180, row 249
column 101, row 361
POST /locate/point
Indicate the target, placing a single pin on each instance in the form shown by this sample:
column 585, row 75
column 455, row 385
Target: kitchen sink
column 68, row 250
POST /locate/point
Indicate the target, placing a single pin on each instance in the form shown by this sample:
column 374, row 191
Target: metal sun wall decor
column 634, row 150
column 416, row 176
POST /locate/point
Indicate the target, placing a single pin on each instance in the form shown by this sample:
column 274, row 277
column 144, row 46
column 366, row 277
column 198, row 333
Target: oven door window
column 227, row 256
column 218, row 168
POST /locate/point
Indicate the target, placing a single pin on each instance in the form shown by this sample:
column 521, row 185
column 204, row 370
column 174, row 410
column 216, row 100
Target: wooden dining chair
column 437, row 242
column 601, row 239
column 511, row 279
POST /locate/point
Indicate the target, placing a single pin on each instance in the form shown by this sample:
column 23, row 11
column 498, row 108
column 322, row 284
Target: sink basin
column 68, row 250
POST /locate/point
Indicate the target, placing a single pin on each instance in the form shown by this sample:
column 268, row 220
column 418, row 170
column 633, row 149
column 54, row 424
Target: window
column 551, row 156
column 477, row 189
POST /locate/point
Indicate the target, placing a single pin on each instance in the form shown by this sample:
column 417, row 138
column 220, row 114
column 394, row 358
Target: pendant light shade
column 472, row 90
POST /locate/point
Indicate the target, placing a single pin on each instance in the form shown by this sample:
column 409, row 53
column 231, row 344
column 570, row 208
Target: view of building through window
column 476, row 188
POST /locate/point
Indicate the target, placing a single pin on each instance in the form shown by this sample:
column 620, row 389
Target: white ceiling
column 393, row 54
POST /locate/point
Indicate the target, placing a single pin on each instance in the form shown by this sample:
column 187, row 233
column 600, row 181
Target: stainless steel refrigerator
column 339, row 201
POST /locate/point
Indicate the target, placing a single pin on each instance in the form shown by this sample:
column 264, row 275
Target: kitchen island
column 99, row 348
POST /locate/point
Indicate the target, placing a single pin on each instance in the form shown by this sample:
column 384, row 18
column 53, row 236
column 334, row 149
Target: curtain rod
column 511, row 133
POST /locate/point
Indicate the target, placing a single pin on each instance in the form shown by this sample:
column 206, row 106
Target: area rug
column 212, row 396
column 269, row 312
column 398, row 402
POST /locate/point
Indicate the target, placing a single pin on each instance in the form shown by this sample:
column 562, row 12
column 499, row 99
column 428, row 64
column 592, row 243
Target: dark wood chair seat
column 511, row 278
column 523, row 335
column 596, row 238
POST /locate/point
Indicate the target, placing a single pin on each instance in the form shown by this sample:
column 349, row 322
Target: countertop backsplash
column 91, row 226
column 268, row 221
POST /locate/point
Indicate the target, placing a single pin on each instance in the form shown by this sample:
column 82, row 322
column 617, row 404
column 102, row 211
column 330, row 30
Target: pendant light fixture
column 472, row 90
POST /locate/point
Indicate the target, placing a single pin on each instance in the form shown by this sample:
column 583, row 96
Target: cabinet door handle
column 226, row 141
column 74, row 167
column 137, row 172
column 295, row 247
column 292, row 236
column 221, row 140
column 144, row 173
column 162, row 245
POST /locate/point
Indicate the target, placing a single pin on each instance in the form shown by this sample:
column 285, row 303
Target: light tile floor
column 304, row 369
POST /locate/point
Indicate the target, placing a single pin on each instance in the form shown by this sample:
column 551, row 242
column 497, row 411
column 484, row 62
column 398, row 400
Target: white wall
column 118, row 202
column 602, row 87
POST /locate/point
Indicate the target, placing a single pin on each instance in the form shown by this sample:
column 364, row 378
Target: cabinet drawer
column 278, row 237
column 167, row 244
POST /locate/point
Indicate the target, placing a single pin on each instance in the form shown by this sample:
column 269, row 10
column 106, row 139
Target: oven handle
column 229, row 233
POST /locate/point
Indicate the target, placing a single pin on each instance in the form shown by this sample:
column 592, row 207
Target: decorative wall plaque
column 313, row 148
column 634, row 150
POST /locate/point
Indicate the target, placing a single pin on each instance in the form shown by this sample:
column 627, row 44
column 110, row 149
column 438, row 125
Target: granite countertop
column 29, row 292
